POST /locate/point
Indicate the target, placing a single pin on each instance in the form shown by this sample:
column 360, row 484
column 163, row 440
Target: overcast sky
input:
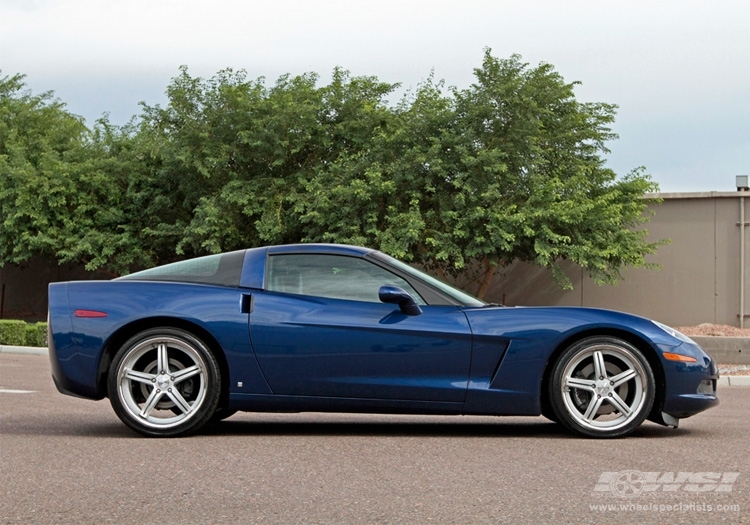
column 679, row 70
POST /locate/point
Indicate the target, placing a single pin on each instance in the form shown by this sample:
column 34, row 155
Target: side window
column 221, row 269
column 331, row 276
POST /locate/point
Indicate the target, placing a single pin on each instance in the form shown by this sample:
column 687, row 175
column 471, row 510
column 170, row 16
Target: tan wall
column 700, row 277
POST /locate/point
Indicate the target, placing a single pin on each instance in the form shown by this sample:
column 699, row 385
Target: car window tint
column 332, row 276
column 222, row 269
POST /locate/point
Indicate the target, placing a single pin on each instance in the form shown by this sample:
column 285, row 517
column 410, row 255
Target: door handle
column 246, row 303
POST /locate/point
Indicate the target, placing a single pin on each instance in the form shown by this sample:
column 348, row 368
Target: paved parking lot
column 68, row 460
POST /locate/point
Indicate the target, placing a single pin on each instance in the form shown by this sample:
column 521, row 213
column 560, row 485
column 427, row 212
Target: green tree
column 224, row 153
column 63, row 187
column 343, row 197
column 108, row 230
column 38, row 141
column 509, row 169
column 459, row 181
column 235, row 160
column 533, row 185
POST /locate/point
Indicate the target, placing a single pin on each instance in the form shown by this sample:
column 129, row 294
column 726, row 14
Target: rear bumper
column 63, row 390
column 73, row 372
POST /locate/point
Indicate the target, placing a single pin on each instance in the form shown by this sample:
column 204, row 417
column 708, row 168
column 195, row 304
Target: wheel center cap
column 602, row 387
column 162, row 382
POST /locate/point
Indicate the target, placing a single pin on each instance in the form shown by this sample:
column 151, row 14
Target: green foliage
column 508, row 169
column 20, row 333
column 229, row 152
column 12, row 333
column 36, row 334
column 236, row 157
column 533, row 185
column 62, row 186
column 38, row 139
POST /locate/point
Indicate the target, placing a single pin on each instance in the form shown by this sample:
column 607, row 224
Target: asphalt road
column 68, row 460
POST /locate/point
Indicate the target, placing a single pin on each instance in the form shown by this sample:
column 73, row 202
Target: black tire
column 602, row 387
column 164, row 382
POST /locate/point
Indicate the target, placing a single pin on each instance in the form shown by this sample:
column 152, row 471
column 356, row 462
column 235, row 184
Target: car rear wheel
column 602, row 387
column 164, row 382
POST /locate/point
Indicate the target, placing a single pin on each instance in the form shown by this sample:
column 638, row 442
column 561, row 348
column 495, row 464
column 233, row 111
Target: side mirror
column 399, row 296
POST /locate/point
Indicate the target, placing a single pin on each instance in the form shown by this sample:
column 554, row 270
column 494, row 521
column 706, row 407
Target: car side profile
column 335, row 328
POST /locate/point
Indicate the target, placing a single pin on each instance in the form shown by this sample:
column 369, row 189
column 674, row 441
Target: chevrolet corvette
column 335, row 328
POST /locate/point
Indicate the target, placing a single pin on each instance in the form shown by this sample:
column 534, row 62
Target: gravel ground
column 708, row 329
column 734, row 370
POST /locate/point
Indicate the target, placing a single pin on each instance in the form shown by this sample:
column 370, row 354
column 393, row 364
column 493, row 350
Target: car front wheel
column 602, row 387
column 164, row 382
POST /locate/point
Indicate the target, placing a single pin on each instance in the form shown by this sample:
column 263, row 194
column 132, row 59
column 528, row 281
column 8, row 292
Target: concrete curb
column 31, row 350
column 27, row 350
column 734, row 381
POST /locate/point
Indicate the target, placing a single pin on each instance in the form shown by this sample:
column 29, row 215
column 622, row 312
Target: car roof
column 332, row 249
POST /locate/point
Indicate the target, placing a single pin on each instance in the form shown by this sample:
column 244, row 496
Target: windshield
column 459, row 295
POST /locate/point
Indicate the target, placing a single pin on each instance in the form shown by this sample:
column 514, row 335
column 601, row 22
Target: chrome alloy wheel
column 164, row 382
column 602, row 387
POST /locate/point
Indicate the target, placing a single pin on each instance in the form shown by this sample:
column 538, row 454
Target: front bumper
column 690, row 387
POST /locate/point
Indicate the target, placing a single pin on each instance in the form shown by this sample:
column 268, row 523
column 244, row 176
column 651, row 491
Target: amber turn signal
column 677, row 357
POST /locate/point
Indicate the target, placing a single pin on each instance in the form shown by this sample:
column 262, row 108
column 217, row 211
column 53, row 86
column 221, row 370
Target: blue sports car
column 316, row 327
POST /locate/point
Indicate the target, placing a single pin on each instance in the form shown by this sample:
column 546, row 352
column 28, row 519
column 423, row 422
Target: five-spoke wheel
column 164, row 382
column 602, row 387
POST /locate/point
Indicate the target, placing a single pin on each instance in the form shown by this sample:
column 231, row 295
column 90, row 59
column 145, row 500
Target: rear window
column 222, row 269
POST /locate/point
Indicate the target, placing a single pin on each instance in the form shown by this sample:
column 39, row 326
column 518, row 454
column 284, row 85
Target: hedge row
column 20, row 333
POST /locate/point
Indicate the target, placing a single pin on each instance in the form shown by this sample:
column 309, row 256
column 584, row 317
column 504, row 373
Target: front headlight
column 674, row 333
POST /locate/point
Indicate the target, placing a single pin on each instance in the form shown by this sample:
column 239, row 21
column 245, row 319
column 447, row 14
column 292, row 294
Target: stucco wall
column 700, row 277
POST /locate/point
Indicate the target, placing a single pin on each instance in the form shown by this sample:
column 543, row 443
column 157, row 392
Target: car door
column 320, row 330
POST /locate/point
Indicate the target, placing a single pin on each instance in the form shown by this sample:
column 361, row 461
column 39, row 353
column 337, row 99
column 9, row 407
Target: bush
column 20, row 333
column 12, row 333
column 36, row 334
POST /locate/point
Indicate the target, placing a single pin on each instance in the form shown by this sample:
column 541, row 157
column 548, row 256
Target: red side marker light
column 89, row 313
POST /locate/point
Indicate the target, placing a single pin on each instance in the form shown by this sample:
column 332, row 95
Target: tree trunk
column 489, row 273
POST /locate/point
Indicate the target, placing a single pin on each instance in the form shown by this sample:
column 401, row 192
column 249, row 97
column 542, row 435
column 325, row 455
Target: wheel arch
column 638, row 342
column 117, row 339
